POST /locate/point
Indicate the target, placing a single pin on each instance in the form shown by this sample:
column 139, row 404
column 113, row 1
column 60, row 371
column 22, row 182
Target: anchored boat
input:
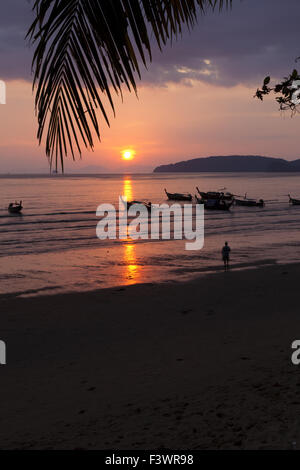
column 249, row 202
column 15, row 207
column 215, row 204
column 141, row 203
column 179, row 196
column 295, row 202
column 215, row 195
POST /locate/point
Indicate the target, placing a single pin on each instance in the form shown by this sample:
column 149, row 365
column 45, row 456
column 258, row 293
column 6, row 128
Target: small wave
column 45, row 214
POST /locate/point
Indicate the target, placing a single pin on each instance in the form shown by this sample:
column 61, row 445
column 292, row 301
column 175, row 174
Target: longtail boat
column 295, row 202
column 249, row 202
column 215, row 204
column 215, row 195
column 15, row 207
column 179, row 196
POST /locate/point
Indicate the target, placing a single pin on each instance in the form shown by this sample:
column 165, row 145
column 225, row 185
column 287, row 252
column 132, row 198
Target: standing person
column 225, row 254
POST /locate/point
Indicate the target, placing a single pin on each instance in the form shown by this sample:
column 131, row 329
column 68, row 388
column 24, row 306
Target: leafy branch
column 287, row 91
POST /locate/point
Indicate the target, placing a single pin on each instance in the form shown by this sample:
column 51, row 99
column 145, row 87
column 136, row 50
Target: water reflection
column 132, row 272
column 127, row 189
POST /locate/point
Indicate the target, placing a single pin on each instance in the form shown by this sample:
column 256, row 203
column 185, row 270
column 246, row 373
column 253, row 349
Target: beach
column 203, row 364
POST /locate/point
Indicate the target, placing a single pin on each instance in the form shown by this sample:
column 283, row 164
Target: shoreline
column 203, row 364
column 195, row 273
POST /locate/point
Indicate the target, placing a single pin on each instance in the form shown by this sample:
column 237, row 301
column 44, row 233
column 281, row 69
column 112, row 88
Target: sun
column 128, row 154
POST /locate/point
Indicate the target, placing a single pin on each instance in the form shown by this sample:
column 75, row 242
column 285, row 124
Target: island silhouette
column 231, row 163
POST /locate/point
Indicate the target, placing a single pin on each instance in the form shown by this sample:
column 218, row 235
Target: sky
column 195, row 99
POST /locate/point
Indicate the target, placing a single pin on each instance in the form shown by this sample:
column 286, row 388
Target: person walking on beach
column 225, row 254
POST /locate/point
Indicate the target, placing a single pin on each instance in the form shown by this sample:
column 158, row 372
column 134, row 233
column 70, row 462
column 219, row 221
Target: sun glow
column 128, row 154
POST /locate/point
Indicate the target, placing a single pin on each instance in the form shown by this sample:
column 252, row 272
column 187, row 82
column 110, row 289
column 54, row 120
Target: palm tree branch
column 84, row 49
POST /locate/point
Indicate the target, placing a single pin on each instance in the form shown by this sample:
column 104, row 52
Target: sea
column 52, row 246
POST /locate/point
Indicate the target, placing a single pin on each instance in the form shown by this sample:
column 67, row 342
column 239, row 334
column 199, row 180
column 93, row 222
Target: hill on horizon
column 231, row 163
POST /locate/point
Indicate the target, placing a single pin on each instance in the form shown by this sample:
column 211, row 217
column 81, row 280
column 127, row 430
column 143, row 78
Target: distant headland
column 231, row 163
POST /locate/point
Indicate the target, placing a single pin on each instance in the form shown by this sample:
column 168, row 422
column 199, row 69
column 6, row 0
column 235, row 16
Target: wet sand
column 198, row 365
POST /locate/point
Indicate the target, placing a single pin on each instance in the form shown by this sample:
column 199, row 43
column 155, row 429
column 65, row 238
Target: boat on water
column 215, row 204
column 246, row 202
column 295, row 202
column 141, row 203
column 15, row 207
column 179, row 196
column 218, row 195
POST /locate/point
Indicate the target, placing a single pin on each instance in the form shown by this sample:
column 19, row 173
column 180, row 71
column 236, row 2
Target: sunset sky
column 196, row 99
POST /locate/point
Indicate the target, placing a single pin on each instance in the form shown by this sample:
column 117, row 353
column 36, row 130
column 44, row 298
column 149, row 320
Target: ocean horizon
column 52, row 246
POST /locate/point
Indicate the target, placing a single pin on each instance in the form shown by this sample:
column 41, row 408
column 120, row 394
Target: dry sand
column 199, row 365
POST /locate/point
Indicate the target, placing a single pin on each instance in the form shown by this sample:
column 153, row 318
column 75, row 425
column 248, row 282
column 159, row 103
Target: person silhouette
column 225, row 255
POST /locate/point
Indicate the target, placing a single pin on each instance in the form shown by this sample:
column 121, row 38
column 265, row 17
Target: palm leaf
column 87, row 48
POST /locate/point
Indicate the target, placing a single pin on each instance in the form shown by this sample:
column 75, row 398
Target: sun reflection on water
column 132, row 272
column 127, row 189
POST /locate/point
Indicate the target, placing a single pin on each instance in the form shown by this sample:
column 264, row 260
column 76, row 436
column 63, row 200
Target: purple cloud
column 254, row 39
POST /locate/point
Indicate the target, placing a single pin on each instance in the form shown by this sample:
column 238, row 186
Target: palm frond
column 87, row 48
